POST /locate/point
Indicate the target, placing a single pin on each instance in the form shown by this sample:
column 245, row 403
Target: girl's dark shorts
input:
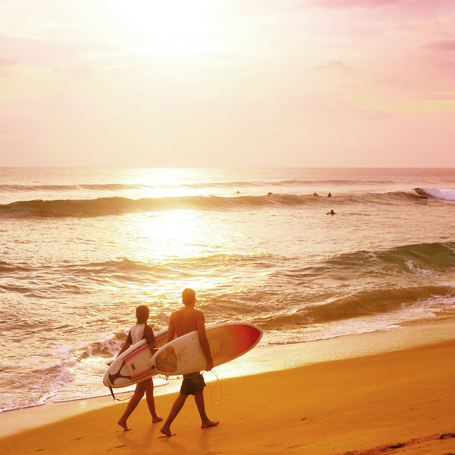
column 192, row 383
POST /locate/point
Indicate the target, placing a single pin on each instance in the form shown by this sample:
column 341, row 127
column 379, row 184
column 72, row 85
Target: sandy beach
column 401, row 401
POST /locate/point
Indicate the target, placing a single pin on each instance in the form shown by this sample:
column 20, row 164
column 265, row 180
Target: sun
column 171, row 24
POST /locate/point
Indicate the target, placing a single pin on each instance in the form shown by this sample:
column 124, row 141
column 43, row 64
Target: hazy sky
column 227, row 83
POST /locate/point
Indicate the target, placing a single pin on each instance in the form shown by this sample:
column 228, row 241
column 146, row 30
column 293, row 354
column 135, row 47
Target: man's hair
column 188, row 296
column 142, row 314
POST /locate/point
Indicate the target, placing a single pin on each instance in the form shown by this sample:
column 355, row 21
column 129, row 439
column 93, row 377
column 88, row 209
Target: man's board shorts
column 192, row 383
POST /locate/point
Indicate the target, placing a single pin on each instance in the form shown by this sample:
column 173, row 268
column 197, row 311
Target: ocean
column 81, row 248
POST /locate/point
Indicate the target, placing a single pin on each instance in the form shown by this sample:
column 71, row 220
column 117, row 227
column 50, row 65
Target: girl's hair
column 142, row 314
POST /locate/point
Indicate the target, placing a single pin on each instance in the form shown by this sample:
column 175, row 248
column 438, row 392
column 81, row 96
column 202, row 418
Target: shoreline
column 262, row 359
column 287, row 370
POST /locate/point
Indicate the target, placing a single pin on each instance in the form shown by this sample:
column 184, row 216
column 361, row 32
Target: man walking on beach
column 184, row 321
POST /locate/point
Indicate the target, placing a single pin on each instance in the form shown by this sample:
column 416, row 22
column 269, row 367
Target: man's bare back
column 187, row 320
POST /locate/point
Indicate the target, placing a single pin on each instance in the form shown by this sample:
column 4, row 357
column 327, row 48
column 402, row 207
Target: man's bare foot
column 209, row 424
column 157, row 419
column 167, row 432
column 123, row 424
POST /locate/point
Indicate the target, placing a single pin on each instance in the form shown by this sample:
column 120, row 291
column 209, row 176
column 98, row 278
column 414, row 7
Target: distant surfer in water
column 331, row 212
column 421, row 192
column 184, row 321
column 139, row 332
column 329, row 195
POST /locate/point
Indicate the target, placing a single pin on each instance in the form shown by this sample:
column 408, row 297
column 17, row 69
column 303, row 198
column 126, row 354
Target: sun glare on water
column 178, row 238
column 169, row 233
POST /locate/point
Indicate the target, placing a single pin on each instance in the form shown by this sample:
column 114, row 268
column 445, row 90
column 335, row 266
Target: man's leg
column 206, row 422
column 176, row 408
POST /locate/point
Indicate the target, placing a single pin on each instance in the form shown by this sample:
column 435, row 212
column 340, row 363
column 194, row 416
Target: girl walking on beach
column 138, row 332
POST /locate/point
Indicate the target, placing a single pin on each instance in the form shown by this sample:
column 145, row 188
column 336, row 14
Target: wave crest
column 120, row 205
column 447, row 195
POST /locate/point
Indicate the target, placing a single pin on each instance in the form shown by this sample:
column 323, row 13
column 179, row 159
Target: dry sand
column 400, row 402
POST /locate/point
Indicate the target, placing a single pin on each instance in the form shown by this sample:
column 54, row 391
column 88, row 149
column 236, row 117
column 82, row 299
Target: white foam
column 106, row 348
column 447, row 195
column 418, row 270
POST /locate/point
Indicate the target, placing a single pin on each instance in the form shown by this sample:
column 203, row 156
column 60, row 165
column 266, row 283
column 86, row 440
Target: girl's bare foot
column 209, row 423
column 157, row 419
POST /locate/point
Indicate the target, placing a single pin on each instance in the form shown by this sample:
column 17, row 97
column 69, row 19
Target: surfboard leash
column 127, row 398
column 119, row 399
column 218, row 382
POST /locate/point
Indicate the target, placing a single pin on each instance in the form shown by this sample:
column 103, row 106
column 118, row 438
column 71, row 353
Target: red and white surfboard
column 133, row 365
column 227, row 342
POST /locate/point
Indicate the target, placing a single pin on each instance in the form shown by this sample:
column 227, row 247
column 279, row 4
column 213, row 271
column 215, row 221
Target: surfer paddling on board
column 184, row 321
column 140, row 331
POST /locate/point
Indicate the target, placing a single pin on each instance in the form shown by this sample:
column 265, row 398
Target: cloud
column 367, row 4
column 438, row 59
column 4, row 64
column 332, row 65
column 444, row 46
column 7, row 61
column 412, row 6
column 37, row 52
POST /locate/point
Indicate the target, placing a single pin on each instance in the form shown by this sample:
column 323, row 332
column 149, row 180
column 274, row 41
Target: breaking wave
column 446, row 195
column 10, row 188
column 120, row 205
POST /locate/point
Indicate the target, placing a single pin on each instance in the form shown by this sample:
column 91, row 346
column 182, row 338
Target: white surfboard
column 133, row 365
column 227, row 341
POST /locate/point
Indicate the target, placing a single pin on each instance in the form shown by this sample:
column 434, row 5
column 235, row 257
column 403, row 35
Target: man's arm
column 171, row 329
column 203, row 341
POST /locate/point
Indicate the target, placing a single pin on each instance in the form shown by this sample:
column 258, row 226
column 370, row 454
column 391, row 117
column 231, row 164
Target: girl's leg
column 176, row 408
column 132, row 404
column 151, row 402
